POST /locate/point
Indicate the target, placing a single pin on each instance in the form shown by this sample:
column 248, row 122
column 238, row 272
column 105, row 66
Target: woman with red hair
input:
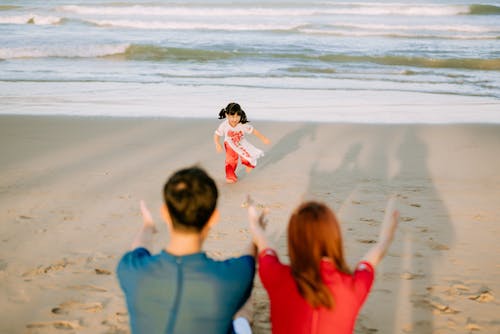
column 317, row 292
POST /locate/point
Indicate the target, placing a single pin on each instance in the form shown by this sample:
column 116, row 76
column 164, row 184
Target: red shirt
column 292, row 314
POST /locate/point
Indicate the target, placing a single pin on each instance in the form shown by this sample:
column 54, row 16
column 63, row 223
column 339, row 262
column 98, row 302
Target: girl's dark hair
column 233, row 109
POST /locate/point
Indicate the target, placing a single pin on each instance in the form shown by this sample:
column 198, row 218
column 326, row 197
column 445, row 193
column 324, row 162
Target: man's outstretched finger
column 146, row 216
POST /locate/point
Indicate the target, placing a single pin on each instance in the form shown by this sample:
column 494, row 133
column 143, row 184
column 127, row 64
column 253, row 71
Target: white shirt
column 235, row 137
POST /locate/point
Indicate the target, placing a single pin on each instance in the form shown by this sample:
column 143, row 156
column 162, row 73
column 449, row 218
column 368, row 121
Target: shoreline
column 262, row 104
column 214, row 119
column 70, row 188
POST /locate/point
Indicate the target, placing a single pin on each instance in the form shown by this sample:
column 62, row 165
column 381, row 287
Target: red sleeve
column 270, row 267
column 364, row 275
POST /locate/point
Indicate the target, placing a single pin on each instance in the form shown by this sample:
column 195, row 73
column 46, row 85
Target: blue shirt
column 188, row 294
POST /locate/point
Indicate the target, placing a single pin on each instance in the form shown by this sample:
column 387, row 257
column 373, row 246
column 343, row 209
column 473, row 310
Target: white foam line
column 188, row 25
column 67, row 51
column 30, row 18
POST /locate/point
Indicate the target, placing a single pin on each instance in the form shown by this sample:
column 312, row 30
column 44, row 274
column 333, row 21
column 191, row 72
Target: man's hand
column 144, row 237
column 147, row 218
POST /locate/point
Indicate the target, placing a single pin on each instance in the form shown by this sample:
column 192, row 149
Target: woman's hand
column 257, row 223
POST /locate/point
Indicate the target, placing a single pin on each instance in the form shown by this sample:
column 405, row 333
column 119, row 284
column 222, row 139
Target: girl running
column 233, row 129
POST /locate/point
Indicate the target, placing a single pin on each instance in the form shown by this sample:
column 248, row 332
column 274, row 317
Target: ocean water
column 101, row 55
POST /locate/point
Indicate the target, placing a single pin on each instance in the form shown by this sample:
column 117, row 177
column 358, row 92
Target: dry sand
column 70, row 188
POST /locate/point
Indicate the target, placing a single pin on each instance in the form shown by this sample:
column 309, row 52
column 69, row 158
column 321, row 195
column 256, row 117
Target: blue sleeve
column 244, row 266
column 248, row 269
column 130, row 264
column 243, row 272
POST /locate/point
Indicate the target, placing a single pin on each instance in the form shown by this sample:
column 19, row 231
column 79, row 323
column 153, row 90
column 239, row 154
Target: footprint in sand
column 366, row 330
column 478, row 217
column 117, row 322
column 87, row 288
column 410, row 276
column 370, row 221
column 100, row 271
column 244, row 234
column 457, row 289
column 484, row 295
column 41, row 270
column 277, row 205
column 60, row 324
column 436, row 304
column 68, row 306
column 362, row 329
column 385, row 291
column 217, row 235
column 117, row 317
column 471, row 325
column 421, row 326
column 437, row 246
column 442, row 308
column 367, row 241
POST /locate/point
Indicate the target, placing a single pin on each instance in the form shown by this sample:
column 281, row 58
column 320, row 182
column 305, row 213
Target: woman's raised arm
column 387, row 231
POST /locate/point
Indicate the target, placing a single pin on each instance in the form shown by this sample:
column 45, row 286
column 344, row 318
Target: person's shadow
column 324, row 184
column 287, row 145
column 357, row 189
column 423, row 241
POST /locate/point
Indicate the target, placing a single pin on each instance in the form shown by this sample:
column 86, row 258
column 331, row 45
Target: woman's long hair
column 313, row 234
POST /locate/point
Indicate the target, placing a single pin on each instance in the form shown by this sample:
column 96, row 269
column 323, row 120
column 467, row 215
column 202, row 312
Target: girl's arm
column 218, row 146
column 259, row 135
column 387, row 230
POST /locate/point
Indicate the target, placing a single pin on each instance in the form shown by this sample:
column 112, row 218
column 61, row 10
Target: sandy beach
column 70, row 190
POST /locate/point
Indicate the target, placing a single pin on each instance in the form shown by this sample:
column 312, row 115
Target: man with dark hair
column 181, row 289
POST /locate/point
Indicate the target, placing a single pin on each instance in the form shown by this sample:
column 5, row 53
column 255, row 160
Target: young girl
column 317, row 292
column 233, row 129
